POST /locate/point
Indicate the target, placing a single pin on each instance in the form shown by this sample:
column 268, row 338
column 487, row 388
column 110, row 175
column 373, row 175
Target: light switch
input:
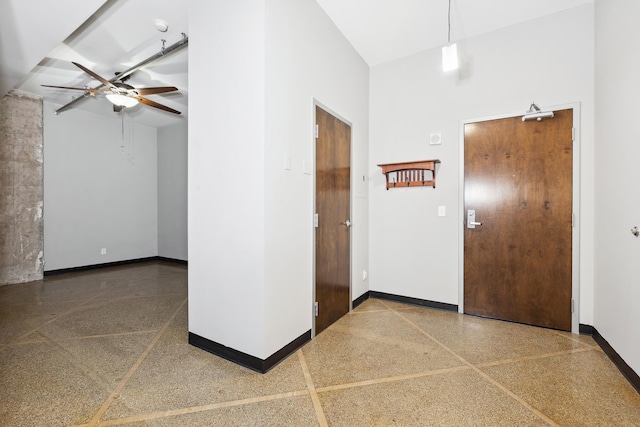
column 287, row 162
column 442, row 210
column 306, row 167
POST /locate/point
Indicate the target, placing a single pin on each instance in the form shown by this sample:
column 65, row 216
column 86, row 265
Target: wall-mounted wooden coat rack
column 410, row 174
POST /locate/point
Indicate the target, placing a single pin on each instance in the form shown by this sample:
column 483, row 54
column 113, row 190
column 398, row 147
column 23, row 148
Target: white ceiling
column 39, row 39
column 120, row 34
column 384, row 30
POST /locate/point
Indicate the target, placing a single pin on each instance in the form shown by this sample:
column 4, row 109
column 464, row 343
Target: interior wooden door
column 518, row 179
column 333, row 208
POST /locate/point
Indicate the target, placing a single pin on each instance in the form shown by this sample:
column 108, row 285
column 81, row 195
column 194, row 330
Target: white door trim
column 575, row 239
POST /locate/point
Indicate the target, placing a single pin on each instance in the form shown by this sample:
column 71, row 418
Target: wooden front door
column 333, row 208
column 518, row 180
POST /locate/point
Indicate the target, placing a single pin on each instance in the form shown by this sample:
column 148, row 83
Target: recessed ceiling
column 117, row 36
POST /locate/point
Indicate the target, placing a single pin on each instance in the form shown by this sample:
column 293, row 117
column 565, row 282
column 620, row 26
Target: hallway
column 109, row 347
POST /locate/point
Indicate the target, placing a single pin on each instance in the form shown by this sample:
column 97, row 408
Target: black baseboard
column 172, row 260
column 414, row 301
column 113, row 264
column 622, row 366
column 246, row 360
column 362, row 298
column 586, row 329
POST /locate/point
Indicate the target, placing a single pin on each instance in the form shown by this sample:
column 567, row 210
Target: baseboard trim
column 113, row 264
column 243, row 359
column 622, row 366
column 173, row 260
column 413, row 301
column 362, row 298
column 586, row 329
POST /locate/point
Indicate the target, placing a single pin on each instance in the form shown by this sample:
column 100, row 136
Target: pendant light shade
column 450, row 57
column 449, row 52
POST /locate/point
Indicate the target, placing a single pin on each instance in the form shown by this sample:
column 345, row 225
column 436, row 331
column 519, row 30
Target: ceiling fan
column 121, row 94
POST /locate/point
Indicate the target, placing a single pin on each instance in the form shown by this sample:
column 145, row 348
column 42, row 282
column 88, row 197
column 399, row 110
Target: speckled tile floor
column 109, row 347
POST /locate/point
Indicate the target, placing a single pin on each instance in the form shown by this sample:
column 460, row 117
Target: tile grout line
column 196, row 409
column 529, row 358
column 391, row 379
column 57, row 317
column 322, row 420
column 86, row 337
column 477, row 370
column 105, row 406
column 573, row 339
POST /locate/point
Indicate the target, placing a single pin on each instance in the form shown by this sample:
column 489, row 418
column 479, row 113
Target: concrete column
column 21, row 188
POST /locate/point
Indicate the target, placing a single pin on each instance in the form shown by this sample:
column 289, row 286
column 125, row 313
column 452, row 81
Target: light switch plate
column 306, row 167
column 442, row 211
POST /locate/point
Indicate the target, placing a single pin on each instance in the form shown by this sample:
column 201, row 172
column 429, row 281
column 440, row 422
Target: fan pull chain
column 122, row 116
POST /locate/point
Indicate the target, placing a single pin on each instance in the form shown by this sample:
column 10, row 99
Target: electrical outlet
column 103, row 251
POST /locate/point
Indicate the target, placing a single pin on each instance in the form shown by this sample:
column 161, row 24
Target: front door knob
column 471, row 219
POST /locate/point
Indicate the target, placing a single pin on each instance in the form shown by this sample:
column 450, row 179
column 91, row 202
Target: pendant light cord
column 449, row 24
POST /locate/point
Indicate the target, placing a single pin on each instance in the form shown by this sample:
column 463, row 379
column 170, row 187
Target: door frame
column 575, row 231
column 315, row 103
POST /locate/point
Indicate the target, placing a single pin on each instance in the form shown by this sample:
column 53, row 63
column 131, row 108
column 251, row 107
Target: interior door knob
column 347, row 223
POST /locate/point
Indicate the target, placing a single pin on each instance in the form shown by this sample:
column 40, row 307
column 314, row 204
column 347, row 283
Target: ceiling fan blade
column 90, row 91
column 156, row 105
column 152, row 90
column 65, row 87
column 94, row 75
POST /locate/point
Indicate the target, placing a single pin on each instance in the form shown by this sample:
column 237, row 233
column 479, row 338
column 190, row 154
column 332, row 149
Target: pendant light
column 450, row 51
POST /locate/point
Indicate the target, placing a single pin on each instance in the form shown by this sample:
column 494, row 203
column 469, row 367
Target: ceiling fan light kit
column 122, row 100
column 117, row 91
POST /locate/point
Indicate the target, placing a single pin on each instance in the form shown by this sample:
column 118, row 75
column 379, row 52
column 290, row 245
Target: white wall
column 258, row 65
column 307, row 58
column 617, row 149
column 100, row 190
column 172, row 191
column 226, row 173
column 413, row 252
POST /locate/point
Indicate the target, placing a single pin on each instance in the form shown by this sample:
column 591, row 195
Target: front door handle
column 471, row 219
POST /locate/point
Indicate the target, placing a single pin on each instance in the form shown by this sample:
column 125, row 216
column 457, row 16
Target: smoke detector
column 161, row 25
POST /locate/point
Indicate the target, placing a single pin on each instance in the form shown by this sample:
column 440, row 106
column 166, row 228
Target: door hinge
column 315, row 308
column 315, row 220
column 573, row 134
column 316, row 131
column 573, row 306
column 573, row 220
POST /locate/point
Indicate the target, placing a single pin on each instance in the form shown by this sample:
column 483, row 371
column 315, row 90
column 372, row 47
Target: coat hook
column 635, row 231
